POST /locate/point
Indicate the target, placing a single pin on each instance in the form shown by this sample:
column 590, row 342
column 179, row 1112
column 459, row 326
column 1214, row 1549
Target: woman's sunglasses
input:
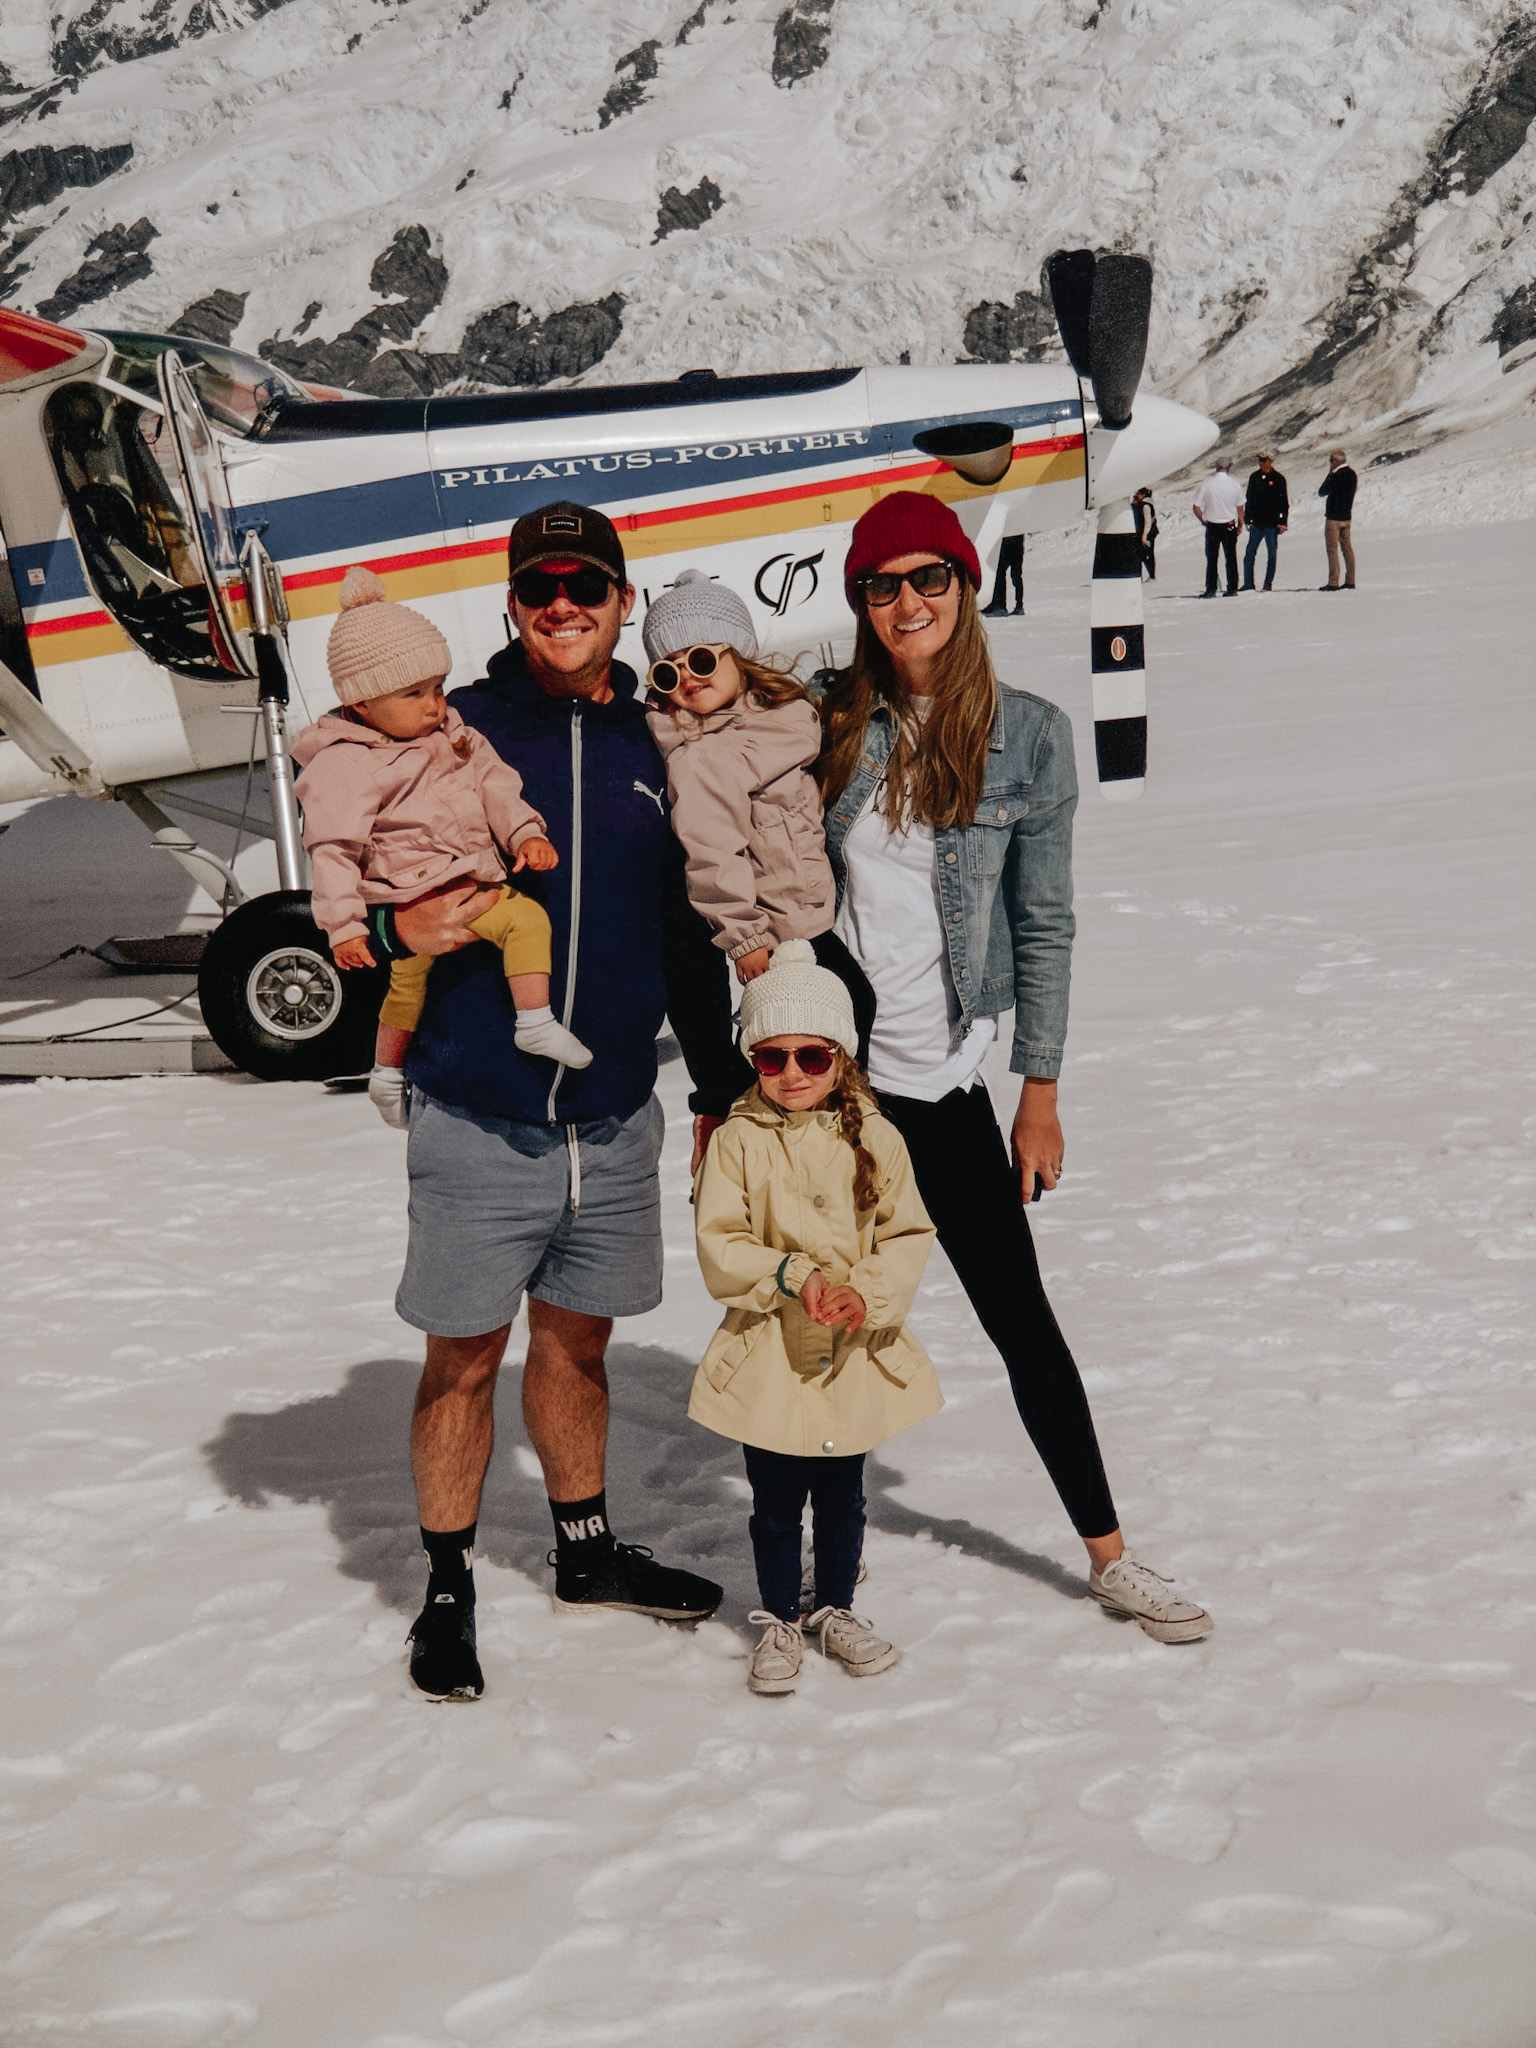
column 814, row 1060
column 588, row 588
column 699, row 662
column 929, row 579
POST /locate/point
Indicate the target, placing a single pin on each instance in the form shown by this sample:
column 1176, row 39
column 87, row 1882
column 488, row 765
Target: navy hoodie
column 629, row 951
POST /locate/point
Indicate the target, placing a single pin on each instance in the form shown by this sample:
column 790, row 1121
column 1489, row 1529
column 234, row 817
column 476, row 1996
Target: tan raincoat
column 773, row 1201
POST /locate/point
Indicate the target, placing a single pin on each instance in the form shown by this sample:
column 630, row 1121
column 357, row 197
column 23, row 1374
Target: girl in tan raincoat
column 811, row 1232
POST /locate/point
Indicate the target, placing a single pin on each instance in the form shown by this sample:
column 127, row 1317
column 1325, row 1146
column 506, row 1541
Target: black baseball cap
column 564, row 532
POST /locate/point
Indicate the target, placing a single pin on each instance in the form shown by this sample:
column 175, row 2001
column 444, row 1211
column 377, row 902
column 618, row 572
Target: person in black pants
column 928, row 868
column 1267, row 513
column 1144, row 512
column 1010, row 562
column 1219, row 508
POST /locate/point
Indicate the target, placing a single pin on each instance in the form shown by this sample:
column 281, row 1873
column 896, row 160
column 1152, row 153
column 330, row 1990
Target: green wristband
column 779, row 1280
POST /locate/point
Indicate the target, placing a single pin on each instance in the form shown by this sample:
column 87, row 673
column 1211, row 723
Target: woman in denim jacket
column 949, row 805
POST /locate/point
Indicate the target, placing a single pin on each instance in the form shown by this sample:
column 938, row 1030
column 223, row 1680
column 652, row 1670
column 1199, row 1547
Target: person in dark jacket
column 1266, row 512
column 1010, row 562
column 528, row 1176
column 1144, row 512
column 1338, row 490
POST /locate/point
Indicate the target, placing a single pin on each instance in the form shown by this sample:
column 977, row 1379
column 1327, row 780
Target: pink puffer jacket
column 386, row 821
column 747, row 810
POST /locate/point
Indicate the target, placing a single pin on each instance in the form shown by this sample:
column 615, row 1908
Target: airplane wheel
column 275, row 1002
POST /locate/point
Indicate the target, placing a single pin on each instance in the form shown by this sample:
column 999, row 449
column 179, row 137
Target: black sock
column 582, row 1536
column 450, row 1553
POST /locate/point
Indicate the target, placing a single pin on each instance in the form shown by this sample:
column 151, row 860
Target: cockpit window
column 238, row 392
column 115, row 462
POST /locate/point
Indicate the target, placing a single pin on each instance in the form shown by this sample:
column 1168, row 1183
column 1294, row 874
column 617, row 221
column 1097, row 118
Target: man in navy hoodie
column 530, row 1177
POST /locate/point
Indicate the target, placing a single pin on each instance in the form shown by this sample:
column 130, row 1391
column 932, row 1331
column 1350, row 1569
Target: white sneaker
column 854, row 1642
column 551, row 1041
column 390, row 1096
column 776, row 1660
column 1134, row 1592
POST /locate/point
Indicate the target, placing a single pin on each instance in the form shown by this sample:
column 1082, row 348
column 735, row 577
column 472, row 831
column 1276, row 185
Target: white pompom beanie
column 376, row 646
column 798, row 999
column 696, row 611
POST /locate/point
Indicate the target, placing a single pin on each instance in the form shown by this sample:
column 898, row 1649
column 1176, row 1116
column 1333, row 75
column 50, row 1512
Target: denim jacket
column 1005, row 880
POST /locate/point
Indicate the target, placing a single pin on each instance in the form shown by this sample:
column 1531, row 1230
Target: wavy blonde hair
column 936, row 766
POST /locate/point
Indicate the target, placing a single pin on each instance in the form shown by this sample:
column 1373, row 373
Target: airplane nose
column 1162, row 439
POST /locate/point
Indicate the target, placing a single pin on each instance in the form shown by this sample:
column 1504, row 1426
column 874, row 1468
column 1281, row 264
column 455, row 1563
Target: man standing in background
column 1338, row 488
column 1010, row 562
column 1267, row 511
column 1144, row 512
column 1219, row 509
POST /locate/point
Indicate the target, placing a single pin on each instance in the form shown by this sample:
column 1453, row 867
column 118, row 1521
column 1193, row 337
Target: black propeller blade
column 1103, row 307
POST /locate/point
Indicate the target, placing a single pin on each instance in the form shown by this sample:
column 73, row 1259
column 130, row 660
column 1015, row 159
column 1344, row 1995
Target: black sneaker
column 628, row 1577
column 994, row 611
column 443, row 1661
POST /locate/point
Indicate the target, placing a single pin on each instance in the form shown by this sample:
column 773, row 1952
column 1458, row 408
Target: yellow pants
column 514, row 922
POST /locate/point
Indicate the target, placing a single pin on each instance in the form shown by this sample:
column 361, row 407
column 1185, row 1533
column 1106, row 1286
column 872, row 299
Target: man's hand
column 704, row 1128
column 536, row 854
column 1198, row 513
column 1038, row 1146
column 752, row 964
column 438, row 924
column 352, row 953
column 837, row 1308
column 1281, row 527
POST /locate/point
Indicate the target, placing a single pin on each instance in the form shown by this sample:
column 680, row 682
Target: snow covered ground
column 1293, row 1253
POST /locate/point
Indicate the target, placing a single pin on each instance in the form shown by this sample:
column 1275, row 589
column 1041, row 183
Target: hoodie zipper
column 575, row 926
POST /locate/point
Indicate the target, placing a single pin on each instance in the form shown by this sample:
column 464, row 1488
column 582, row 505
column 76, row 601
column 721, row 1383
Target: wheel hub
column 294, row 993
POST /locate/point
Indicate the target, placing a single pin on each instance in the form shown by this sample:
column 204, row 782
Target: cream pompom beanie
column 376, row 646
column 798, row 999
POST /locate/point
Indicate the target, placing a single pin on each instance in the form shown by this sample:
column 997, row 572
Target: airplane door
column 211, row 513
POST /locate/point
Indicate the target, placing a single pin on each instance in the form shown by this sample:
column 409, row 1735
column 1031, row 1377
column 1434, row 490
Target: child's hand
column 811, row 1294
column 842, row 1308
column 752, row 964
column 352, row 953
column 536, row 854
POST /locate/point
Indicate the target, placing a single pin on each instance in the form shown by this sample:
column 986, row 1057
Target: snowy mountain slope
column 1338, row 195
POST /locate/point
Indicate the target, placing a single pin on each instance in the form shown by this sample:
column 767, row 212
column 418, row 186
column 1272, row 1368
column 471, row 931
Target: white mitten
column 390, row 1096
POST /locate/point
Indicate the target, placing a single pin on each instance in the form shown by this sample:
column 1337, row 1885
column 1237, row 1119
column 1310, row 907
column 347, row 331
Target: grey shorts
column 491, row 1215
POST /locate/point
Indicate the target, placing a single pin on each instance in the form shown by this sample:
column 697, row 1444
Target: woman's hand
column 1038, row 1146
column 752, row 964
column 352, row 953
column 536, row 854
column 439, row 924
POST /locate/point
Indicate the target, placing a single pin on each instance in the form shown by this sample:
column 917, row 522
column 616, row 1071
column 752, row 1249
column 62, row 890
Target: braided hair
column 849, row 1100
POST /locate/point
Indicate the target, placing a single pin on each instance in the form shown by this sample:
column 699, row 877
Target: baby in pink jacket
column 740, row 741
column 401, row 800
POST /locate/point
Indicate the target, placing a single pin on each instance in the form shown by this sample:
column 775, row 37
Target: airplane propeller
column 1103, row 307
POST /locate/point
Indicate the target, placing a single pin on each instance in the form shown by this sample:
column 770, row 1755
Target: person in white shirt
column 1219, row 509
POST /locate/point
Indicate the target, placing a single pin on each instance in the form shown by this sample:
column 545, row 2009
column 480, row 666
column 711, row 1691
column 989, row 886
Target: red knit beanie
column 907, row 523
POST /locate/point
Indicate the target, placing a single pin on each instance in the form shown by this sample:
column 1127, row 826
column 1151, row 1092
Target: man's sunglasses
column 699, row 662
column 588, row 588
column 930, row 579
column 814, row 1060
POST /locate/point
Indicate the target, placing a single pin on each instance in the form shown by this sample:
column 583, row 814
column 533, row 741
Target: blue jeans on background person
column 1220, row 541
column 1270, row 535
column 779, row 1488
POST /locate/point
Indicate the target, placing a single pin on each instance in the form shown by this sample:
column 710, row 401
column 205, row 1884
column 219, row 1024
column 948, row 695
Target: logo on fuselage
column 778, row 592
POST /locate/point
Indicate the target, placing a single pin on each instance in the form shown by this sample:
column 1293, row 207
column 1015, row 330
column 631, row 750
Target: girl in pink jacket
column 402, row 799
column 739, row 740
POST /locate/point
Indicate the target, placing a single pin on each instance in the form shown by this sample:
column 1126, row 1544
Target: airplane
column 176, row 518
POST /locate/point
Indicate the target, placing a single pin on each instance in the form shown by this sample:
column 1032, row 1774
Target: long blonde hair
column 935, row 771
column 849, row 1100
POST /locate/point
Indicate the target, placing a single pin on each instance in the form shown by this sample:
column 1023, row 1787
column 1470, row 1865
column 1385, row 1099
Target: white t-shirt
column 1220, row 499
column 891, row 922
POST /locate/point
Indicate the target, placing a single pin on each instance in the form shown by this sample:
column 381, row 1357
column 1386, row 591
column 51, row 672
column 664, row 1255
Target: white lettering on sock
column 578, row 1532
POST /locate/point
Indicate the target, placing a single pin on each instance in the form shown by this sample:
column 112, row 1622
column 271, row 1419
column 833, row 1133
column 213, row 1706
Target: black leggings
column 972, row 1192
column 833, row 954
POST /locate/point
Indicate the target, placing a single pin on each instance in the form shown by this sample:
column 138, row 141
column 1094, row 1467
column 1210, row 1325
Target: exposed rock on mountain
column 212, row 319
column 629, row 92
column 686, row 209
column 800, row 40
column 114, row 258
column 415, row 281
column 996, row 332
column 36, row 177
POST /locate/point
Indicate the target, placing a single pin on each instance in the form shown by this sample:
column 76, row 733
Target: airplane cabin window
column 237, row 391
column 115, row 463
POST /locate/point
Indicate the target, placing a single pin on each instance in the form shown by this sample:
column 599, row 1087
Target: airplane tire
column 274, row 1001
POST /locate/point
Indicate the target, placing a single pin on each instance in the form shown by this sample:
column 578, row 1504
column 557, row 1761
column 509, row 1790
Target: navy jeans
column 1270, row 535
column 1220, row 541
column 780, row 1485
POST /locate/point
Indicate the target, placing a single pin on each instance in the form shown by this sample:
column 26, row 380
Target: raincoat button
column 829, row 1445
column 819, row 1201
column 825, row 1363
